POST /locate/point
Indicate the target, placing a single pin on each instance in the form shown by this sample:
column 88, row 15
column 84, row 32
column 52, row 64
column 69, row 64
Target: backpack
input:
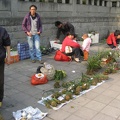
column 59, row 56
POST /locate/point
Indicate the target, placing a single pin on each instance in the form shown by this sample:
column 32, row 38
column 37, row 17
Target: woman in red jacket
column 113, row 39
column 76, row 51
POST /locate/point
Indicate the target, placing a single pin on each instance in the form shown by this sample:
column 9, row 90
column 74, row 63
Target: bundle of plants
column 59, row 76
column 93, row 65
column 109, row 69
column 100, row 77
column 94, row 62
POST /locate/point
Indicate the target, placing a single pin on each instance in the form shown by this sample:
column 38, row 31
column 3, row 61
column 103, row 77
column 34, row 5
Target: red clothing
column 69, row 42
column 111, row 39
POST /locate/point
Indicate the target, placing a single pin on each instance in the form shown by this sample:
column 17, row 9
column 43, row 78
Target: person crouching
column 71, row 47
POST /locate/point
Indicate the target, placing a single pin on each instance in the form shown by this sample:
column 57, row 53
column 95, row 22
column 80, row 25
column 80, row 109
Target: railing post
column 46, row 0
column 86, row 2
column 98, row 3
column 92, row 2
column 118, row 4
column 71, row 1
column 81, row 2
column 55, row 1
column 63, row 1
column 103, row 3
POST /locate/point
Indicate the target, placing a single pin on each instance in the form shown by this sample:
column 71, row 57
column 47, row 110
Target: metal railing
column 106, row 3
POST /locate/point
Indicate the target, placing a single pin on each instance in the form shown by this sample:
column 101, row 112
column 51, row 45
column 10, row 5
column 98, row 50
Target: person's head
column 32, row 9
column 85, row 36
column 58, row 24
column 71, row 35
column 117, row 33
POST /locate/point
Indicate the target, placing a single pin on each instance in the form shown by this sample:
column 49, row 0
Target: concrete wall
column 85, row 18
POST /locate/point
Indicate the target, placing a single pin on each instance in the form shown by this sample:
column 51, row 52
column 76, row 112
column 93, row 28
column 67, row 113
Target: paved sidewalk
column 102, row 103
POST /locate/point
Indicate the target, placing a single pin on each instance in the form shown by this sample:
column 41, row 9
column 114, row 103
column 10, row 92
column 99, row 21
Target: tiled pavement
column 102, row 103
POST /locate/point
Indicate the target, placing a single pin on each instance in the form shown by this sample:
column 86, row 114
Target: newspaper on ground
column 29, row 113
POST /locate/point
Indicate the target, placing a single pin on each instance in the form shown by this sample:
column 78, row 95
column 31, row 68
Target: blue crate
column 23, row 50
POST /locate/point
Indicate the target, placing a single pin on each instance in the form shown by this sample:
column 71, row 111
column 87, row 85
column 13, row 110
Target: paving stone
column 70, row 107
column 101, row 116
column 104, row 99
column 85, row 113
column 94, row 105
column 59, row 115
column 115, row 103
column 74, row 117
column 91, row 94
column 111, row 111
column 111, row 93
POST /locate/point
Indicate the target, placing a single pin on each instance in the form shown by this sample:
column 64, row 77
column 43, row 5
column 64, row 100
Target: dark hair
column 117, row 32
column 71, row 33
column 33, row 6
column 57, row 23
column 75, row 36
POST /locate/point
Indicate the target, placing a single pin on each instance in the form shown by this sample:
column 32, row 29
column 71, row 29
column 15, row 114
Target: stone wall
column 85, row 18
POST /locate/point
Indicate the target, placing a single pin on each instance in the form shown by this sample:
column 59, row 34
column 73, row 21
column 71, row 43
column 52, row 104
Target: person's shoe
column 0, row 104
column 41, row 61
column 33, row 61
column 77, row 60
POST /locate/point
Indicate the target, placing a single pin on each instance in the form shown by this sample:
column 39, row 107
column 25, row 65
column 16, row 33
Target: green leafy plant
column 59, row 75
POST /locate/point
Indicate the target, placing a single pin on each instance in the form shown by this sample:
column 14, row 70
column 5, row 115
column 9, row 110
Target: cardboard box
column 14, row 57
column 95, row 38
column 55, row 45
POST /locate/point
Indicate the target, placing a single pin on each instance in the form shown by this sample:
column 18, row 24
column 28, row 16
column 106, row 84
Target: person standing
column 64, row 28
column 86, row 46
column 32, row 26
column 4, row 47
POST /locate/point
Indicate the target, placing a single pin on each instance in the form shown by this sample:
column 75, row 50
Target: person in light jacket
column 86, row 46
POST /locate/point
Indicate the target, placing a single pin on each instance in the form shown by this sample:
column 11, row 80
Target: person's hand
column 8, row 60
column 29, row 34
column 38, row 33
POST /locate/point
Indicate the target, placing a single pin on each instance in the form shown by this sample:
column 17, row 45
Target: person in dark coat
column 4, row 47
column 63, row 29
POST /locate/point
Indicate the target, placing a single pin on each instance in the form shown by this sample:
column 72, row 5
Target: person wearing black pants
column 76, row 52
column 1, row 80
column 4, row 47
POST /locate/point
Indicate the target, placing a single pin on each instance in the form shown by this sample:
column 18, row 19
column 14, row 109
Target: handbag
column 59, row 56
column 68, row 49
